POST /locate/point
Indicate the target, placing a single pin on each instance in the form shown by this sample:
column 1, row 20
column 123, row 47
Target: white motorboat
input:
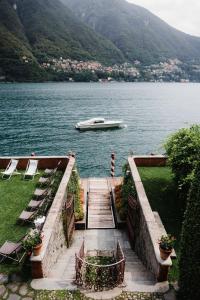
column 98, row 123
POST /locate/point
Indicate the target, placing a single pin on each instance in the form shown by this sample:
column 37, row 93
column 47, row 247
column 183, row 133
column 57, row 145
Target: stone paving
column 23, row 291
column 137, row 277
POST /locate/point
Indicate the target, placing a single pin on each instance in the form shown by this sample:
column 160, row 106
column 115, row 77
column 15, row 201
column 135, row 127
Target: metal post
column 112, row 171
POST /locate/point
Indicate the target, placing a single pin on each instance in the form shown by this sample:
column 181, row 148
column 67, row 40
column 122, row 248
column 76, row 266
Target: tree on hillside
column 190, row 243
column 182, row 149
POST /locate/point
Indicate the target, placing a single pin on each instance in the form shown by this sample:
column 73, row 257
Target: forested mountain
column 31, row 31
column 135, row 31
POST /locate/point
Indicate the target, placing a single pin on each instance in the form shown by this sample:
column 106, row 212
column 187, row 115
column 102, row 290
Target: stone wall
column 149, row 231
column 54, row 239
column 150, row 161
column 49, row 162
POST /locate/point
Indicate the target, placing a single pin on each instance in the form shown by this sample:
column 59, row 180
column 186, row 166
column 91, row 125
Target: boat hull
column 99, row 126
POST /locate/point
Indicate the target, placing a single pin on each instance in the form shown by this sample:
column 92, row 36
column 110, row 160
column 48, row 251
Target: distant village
column 172, row 70
column 65, row 69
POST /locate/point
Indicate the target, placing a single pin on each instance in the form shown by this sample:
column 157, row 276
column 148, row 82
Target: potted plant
column 33, row 242
column 166, row 245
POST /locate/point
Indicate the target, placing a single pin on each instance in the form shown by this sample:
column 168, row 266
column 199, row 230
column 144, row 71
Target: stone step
column 100, row 212
column 99, row 190
column 146, row 286
column 95, row 225
column 100, row 207
column 103, row 218
column 99, row 201
column 52, row 284
column 100, row 204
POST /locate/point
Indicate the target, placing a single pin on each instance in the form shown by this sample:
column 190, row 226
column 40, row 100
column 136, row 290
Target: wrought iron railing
column 99, row 277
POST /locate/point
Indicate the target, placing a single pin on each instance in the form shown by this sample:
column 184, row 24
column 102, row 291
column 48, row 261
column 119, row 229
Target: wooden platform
column 100, row 214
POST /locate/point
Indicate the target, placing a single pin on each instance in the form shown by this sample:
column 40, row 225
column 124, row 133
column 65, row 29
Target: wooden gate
column 69, row 218
column 133, row 220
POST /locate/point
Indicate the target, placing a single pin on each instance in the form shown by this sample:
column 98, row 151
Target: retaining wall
column 149, row 231
column 49, row 162
column 54, row 238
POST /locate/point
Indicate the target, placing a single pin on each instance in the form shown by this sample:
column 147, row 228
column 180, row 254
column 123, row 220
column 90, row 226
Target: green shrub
column 128, row 189
column 74, row 188
column 190, row 243
column 182, row 150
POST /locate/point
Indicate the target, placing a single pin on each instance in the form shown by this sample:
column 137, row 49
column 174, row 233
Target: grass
column 77, row 295
column 162, row 194
column 15, row 194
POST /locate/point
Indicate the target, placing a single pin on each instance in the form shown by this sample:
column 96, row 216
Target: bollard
column 112, row 171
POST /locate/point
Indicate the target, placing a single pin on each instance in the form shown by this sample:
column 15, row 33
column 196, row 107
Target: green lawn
column 15, row 194
column 161, row 192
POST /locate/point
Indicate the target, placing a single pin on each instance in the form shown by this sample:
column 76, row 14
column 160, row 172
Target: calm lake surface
column 41, row 118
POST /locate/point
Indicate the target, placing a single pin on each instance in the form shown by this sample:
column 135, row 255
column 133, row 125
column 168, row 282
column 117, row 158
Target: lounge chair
column 31, row 169
column 34, row 204
column 11, row 250
column 50, row 172
column 11, row 169
column 44, row 180
column 27, row 216
column 40, row 194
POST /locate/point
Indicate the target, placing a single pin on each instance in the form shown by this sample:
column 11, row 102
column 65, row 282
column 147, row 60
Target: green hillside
column 42, row 29
column 135, row 31
column 32, row 32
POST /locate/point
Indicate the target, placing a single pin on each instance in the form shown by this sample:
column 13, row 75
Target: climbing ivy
column 74, row 188
column 128, row 189
column 190, row 243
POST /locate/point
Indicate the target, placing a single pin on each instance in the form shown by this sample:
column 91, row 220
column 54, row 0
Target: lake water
column 40, row 118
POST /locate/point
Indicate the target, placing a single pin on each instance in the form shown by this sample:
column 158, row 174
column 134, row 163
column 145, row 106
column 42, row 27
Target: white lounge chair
column 11, row 169
column 31, row 169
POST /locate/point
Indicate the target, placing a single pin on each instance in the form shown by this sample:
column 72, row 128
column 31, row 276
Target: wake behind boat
column 98, row 123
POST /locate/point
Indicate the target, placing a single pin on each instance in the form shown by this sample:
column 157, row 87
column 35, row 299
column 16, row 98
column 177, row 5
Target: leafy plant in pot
column 166, row 245
column 33, row 242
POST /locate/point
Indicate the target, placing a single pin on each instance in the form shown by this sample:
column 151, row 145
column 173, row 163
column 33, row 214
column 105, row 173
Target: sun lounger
column 11, row 250
column 50, row 172
column 31, row 169
column 11, row 169
column 40, row 194
column 27, row 216
column 34, row 204
column 47, row 179
column 44, row 180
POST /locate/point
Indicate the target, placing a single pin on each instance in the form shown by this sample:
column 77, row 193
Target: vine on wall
column 75, row 189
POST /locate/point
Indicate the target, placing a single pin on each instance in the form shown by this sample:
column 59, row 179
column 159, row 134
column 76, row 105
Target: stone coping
column 44, row 161
column 54, row 211
column 152, row 226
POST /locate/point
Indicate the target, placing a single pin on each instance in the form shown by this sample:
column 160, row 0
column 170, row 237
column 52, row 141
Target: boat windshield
column 99, row 121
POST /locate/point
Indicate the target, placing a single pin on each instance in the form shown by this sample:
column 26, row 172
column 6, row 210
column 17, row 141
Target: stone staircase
column 101, row 235
column 62, row 275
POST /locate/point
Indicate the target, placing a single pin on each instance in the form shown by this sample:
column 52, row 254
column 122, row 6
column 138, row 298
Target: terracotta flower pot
column 37, row 249
column 164, row 254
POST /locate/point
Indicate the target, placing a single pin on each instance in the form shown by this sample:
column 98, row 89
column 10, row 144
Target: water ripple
column 41, row 118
